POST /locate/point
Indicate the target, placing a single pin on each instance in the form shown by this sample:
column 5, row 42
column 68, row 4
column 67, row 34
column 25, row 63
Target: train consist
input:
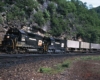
column 19, row 41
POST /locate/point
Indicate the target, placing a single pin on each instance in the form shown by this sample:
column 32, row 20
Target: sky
column 94, row 3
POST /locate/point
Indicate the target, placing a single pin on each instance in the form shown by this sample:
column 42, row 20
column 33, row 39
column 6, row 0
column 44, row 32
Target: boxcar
column 95, row 47
column 84, row 46
column 72, row 45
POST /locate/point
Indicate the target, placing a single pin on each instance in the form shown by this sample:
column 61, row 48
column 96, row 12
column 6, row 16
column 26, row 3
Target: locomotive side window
column 40, row 43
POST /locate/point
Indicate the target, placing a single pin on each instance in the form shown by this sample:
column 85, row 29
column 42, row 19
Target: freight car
column 94, row 47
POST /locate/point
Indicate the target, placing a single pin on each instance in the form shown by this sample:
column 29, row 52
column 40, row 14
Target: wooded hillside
column 57, row 17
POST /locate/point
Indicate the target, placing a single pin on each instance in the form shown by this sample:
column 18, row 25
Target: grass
column 90, row 58
column 45, row 70
column 57, row 68
column 66, row 64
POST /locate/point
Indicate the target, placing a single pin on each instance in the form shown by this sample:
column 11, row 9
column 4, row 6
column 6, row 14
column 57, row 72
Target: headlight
column 8, row 36
column 51, row 43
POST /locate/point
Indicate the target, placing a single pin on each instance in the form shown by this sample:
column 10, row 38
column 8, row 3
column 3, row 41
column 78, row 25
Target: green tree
column 1, row 6
column 41, row 1
column 46, row 15
column 38, row 18
column 51, row 8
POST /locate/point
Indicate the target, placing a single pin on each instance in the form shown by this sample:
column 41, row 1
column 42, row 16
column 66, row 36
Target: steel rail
column 44, row 55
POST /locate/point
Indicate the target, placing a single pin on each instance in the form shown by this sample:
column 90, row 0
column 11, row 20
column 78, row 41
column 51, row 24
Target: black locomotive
column 54, row 45
column 19, row 41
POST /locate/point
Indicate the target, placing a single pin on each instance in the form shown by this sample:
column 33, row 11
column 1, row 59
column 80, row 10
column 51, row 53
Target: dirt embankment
column 85, row 70
column 27, row 69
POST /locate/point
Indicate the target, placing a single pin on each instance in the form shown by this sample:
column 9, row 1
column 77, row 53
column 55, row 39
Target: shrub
column 45, row 70
column 66, row 64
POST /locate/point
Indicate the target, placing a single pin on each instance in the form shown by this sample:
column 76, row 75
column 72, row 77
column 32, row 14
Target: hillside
column 60, row 18
column 97, row 9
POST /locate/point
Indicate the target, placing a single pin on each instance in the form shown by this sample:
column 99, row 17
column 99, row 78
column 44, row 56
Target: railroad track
column 44, row 55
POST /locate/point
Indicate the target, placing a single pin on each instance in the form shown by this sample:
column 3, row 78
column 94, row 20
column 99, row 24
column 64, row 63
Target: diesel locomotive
column 19, row 41
column 16, row 41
